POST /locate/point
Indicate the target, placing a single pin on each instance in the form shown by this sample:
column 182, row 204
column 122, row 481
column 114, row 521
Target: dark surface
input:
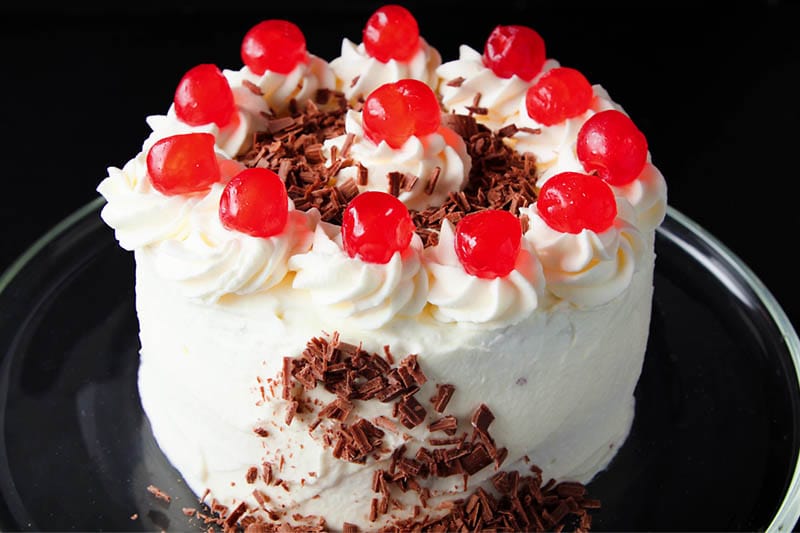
column 715, row 90
column 713, row 446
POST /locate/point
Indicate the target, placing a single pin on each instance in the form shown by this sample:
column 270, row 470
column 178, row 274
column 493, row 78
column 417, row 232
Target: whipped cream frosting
column 368, row 294
column 462, row 79
column 256, row 98
column 212, row 261
column 587, row 268
column 419, row 157
column 547, row 143
column 139, row 214
column 358, row 74
column 458, row 296
column 271, row 92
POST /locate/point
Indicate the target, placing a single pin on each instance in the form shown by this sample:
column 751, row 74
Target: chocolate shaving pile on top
column 500, row 178
column 291, row 146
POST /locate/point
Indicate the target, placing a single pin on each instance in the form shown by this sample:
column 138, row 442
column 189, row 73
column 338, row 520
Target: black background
column 715, row 88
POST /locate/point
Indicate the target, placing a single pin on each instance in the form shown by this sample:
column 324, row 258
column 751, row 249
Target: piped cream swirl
column 418, row 157
column 212, row 261
column 369, row 294
column 463, row 79
column 457, row 296
column 139, row 214
column 587, row 268
column 358, row 74
column 547, row 143
column 232, row 139
column 271, row 92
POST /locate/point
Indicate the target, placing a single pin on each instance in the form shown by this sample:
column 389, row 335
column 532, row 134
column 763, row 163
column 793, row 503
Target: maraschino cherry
column 375, row 225
column 183, row 164
column 559, row 94
column 203, row 95
column 255, row 202
column 395, row 111
column 610, row 144
column 571, row 202
column 511, row 50
column 275, row 45
column 391, row 33
column 488, row 242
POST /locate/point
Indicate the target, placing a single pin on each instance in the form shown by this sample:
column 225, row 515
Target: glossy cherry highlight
column 559, row 94
column 255, row 202
column 610, row 144
column 515, row 49
column 488, row 243
column 391, row 33
column 275, row 45
column 571, row 202
column 395, row 111
column 375, row 225
column 182, row 164
column 203, row 96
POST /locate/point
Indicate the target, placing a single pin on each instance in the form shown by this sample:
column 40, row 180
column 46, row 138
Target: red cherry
column 571, row 202
column 422, row 104
column 560, row 93
column 395, row 111
column 204, row 95
column 183, row 164
column 610, row 144
column 513, row 50
column 488, row 243
column 375, row 225
column 275, row 45
column 255, row 202
column 391, row 33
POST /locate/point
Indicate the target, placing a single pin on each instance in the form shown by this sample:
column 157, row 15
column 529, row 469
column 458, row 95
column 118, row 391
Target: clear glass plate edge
column 788, row 514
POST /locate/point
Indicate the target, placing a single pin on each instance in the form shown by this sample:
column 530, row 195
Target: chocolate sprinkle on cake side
column 513, row 502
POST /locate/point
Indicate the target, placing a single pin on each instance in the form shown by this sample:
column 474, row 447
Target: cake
column 389, row 291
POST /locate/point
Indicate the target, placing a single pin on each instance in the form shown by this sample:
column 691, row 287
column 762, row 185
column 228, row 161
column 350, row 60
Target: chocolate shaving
column 252, row 87
column 442, row 397
column 448, row 424
column 159, row 494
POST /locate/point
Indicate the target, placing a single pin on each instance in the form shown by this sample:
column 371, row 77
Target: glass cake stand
column 714, row 445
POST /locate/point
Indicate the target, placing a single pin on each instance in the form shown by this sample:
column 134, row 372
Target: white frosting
column 278, row 90
column 252, row 109
column 458, row 296
column 212, row 261
column 586, row 269
column 552, row 141
column 648, row 196
column 189, row 348
column 232, row 140
column 368, row 294
column 358, row 73
column 500, row 96
column 418, row 156
column 139, row 214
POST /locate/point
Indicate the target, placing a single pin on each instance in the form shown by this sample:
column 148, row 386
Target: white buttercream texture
column 458, row 296
column 369, row 294
column 443, row 150
column 358, row 74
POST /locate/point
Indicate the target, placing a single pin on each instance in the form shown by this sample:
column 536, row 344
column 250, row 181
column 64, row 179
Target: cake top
column 500, row 173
